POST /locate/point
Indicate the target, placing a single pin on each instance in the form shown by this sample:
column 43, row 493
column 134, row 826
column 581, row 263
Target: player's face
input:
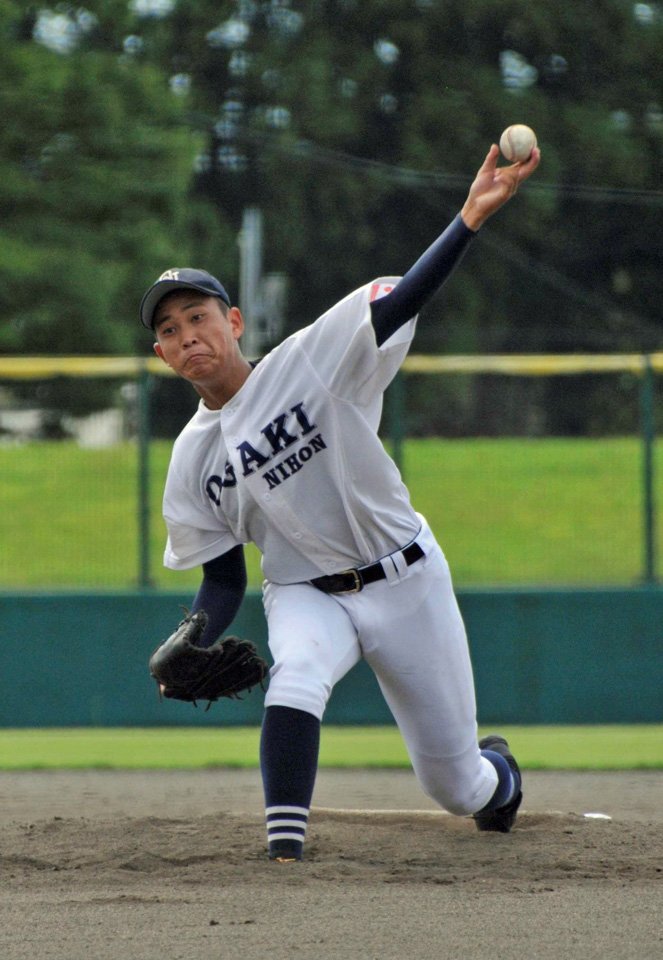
column 197, row 336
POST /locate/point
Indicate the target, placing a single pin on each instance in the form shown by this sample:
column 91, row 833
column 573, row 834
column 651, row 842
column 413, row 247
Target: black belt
column 352, row 581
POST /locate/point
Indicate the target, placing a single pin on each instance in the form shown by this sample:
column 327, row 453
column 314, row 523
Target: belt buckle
column 358, row 585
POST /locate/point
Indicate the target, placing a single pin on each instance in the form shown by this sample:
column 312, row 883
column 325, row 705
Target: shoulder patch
column 380, row 290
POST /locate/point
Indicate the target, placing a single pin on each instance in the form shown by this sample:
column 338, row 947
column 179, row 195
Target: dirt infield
column 161, row 866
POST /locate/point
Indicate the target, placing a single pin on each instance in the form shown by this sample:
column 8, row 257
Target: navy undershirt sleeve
column 221, row 592
column 421, row 281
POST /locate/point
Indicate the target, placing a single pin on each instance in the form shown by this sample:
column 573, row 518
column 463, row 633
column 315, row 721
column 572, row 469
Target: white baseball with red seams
column 517, row 142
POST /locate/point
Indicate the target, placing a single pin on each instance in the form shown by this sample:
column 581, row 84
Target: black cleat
column 285, row 851
column 501, row 819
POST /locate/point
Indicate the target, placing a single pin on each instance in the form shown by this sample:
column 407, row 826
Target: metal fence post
column 143, row 436
column 649, row 505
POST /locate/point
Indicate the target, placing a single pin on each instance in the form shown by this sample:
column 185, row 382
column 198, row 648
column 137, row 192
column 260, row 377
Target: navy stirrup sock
column 289, row 744
column 508, row 783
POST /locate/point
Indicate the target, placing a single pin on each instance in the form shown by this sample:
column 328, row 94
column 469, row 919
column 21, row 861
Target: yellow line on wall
column 527, row 365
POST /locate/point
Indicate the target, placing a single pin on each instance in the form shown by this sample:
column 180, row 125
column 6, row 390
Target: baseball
column 517, row 142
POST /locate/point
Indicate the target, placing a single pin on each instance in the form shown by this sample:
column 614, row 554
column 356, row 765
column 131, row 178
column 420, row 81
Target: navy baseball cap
column 179, row 279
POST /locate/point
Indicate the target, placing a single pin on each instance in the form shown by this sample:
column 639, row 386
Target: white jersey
column 293, row 462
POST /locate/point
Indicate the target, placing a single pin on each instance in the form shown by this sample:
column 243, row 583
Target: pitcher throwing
column 284, row 453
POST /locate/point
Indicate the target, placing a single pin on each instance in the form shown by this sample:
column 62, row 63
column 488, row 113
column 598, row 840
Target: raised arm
column 494, row 185
column 490, row 190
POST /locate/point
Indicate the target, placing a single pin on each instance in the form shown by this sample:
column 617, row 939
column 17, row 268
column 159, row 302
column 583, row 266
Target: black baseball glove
column 185, row 671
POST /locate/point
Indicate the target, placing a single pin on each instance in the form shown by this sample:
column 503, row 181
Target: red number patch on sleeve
column 380, row 290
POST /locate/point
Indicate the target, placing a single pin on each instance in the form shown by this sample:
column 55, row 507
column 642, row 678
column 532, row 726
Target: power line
column 408, row 176
column 551, row 276
column 428, row 181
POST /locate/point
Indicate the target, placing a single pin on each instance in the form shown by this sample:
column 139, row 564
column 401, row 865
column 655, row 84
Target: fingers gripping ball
column 517, row 142
column 186, row 671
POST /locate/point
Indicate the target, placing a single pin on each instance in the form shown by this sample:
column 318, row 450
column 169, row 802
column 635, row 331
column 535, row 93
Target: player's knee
column 453, row 794
column 460, row 803
column 297, row 683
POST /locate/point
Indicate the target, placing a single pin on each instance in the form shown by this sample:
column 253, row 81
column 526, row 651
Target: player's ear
column 159, row 352
column 236, row 321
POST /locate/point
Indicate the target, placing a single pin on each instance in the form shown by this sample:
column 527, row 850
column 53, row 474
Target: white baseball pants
column 409, row 630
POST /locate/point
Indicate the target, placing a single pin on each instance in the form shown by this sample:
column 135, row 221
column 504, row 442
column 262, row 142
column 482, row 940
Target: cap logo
column 170, row 275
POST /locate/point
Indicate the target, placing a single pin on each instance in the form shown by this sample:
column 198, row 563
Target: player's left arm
column 195, row 662
column 221, row 593
column 490, row 190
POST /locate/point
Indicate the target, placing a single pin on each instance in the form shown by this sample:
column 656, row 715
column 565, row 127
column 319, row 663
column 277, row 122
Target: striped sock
column 289, row 745
column 286, row 831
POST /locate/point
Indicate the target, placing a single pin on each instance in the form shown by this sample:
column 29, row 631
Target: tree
column 94, row 192
column 356, row 127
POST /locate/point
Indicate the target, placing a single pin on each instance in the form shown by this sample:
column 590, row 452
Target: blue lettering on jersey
column 294, row 462
column 280, row 433
column 215, row 484
column 278, row 436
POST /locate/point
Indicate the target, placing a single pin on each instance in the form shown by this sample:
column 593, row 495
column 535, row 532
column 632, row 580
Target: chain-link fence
column 531, row 470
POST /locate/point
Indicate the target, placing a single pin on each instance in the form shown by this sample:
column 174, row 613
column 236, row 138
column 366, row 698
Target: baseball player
column 284, row 453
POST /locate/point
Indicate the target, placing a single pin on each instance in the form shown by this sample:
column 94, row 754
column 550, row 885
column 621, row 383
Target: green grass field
column 525, row 511
column 538, row 748
column 543, row 512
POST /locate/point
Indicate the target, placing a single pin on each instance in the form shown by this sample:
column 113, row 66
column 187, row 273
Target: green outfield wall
column 540, row 657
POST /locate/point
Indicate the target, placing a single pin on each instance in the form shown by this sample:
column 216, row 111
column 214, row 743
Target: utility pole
column 250, row 273
column 261, row 297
